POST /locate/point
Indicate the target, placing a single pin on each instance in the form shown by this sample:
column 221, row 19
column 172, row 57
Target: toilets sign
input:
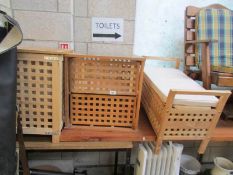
column 107, row 29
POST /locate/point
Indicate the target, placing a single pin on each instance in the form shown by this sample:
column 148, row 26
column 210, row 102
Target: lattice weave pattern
column 181, row 122
column 112, row 76
column 35, row 93
column 152, row 104
column 186, row 123
column 102, row 110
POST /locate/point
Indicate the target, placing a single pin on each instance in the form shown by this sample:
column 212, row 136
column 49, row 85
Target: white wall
column 160, row 26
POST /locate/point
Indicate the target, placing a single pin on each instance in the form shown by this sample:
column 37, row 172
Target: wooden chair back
column 190, row 38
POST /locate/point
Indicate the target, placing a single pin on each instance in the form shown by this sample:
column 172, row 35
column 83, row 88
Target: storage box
column 185, row 112
column 39, row 92
column 103, row 90
column 102, row 110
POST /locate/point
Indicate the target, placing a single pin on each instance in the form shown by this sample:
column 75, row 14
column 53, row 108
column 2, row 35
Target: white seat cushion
column 165, row 79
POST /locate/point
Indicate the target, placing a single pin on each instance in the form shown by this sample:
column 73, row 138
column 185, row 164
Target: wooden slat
column 190, row 49
column 201, row 41
column 190, row 61
column 66, row 93
column 222, row 74
column 43, row 50
column 225, row 81
column 57, row 101
column 191, row 11
column 190, row 35
column 190, row 23
column 40, row 145
column 222, row 79
column 103, row 58
column 138, row 103
column 216, row 93
column 205, row 67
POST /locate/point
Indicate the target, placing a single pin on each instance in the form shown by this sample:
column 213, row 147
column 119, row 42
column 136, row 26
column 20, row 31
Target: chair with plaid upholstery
column 209, row 44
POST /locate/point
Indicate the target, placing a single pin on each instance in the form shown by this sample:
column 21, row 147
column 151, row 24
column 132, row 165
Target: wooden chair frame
column 208, row 77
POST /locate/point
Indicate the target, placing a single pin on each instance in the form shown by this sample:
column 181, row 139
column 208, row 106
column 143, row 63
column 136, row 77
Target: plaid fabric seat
column 216, row 24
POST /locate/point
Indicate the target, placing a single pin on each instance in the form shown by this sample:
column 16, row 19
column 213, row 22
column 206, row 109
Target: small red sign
column 64, row 46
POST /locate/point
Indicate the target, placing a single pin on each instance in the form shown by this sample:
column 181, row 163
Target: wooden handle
column 176, row 60
column 201, row 41
column 223, row 96
column 216, row 93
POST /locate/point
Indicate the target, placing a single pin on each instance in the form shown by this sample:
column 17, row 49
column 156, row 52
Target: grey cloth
column 8, row 64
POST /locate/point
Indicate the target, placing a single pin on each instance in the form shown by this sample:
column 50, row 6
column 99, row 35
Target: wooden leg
column 158, row 145
column 56, row 138
column 203, row 146
column 206, row 66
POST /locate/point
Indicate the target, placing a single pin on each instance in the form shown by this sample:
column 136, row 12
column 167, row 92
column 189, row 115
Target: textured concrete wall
column 44, row 23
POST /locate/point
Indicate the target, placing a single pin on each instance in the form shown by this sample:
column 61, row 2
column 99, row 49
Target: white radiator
column 167, row 162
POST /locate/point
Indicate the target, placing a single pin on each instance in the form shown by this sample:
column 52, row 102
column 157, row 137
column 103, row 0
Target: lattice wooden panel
column 115, row 76
column 182, row 122
column 189, row 122
column 102, row 110
column 39, row 88
column 152, row 104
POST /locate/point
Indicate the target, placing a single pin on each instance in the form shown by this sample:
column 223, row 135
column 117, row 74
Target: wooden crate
column 39, row 92
column 102, row 110
column 99, row 89
column 114, row 76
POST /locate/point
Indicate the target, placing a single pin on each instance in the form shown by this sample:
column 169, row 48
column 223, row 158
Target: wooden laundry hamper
column 102, row 91
column 39, row 91
column 177, row 122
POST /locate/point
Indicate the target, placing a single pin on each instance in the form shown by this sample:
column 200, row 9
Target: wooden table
column 143, row 133
column 78, row 138
column 45, row 144
column 111, row 139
